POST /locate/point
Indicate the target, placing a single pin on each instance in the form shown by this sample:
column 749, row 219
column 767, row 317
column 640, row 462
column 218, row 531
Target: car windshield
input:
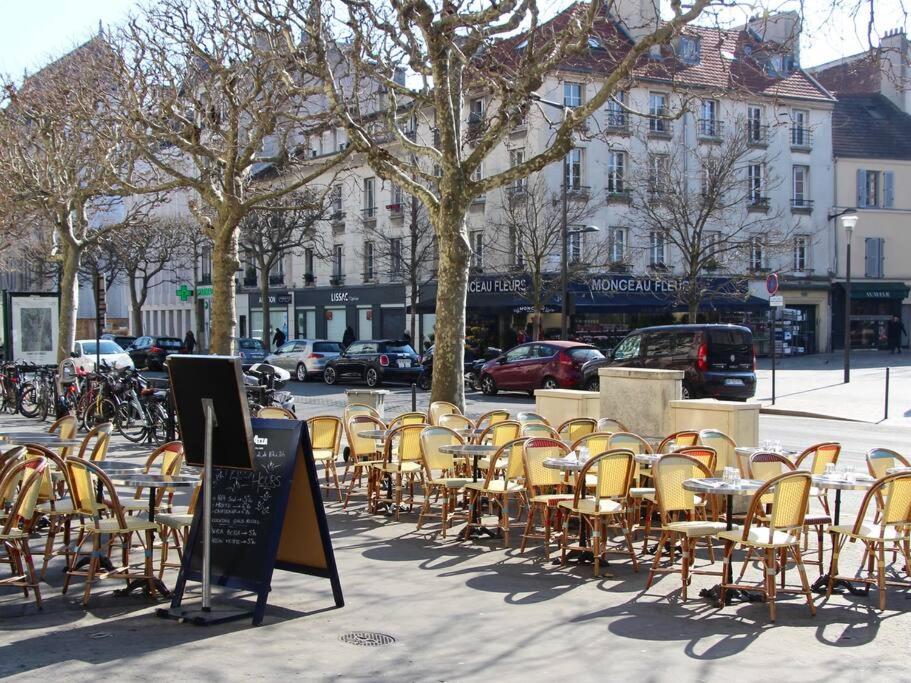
column 400, row 347
column 583, row 354
column 169, row 343
column 327, row 347
column 251, row 344
column 106, row 346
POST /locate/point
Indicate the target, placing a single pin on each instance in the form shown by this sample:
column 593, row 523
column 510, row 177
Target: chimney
column 638, row 17
column 893, row 68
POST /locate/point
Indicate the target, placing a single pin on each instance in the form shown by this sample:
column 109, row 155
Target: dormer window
column 595, row 43
column 688, row 49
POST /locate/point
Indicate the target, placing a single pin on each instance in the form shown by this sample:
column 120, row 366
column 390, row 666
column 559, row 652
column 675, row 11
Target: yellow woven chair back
column 26, row 475
column 95, row 444
column 492, row 417
column 439, row 408
column 515, row 468
column 538, row 430
column 526, row 417
column 881, row 459
column 171, row 455
column 767, row 466
column 670, row 472
column 534, row 452
column 47, row 490
column 596, row 442
column 11, row 458
column 703, row 454
column 275, row 413
column 432, row 440
column 408, row 419
column 325, row 432
column 686, row 437
column 501, row 433
column 408, row 438
column 353, row 409
column 629, row 441
column 897, row 505
column 614, row 473
column 82, row 487
column 361, row 446
column 789, row 501
column 455, row 421
column 820, row 455
column 610, row 424
column 576, row 428
column 66, row 428
column 725, row 447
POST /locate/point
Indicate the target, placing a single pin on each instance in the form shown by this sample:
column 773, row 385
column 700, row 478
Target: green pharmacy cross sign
column 184, row 292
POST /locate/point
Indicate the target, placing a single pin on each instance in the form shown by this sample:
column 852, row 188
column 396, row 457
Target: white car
column 111, row 354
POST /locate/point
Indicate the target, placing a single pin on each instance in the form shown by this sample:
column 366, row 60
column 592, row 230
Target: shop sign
column 634, row 284
column 340, row 297
column 279, row 299
column 498, row 285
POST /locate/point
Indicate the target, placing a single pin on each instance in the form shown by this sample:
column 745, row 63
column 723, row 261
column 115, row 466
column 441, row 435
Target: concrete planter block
column 738, row 420
column 559, row 405
column 639, row 398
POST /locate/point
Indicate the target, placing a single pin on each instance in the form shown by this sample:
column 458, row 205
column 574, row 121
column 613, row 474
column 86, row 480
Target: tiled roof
column 730, row 60
column 857, row 116
column 857, row 76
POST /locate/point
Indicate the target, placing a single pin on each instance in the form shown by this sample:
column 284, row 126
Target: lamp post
column 848, row 222
column 564, row 264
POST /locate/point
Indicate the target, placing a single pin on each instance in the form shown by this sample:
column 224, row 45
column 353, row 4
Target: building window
column 755, row 129
column 368, row 261
column 575, row 246
column 708, row 119
column 688, row 49
column 477, row 250
column 308, row 265
column 277, row 273
column 657, row 251
column 616, row 167
column 205, row 259
column 338, row 262
column 874, row 255
column 369, row 198
column 616, row 114
column 573, row 170
column 396, row 197
column 800, row 187
column 658, row 170
column 800, row 133
column 757, row 254
column 476, row 110
column 709, row 176
column 478, row 174
column 801, row 242
column 755, row 185
column 875, row 189
column 572, row 94
column 395, row 255
column 516, row 158
column 617, row 245
column 518, row 255
column 711, row 240
column 657, row 108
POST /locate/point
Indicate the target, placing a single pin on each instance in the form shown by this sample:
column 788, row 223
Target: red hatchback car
column 537, row 365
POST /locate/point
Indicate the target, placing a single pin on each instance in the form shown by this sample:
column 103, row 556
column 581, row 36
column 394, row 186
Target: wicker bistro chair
column 169, row 458
column 95, row 444
column 680, row 517
column 407, row 419
column 364, row 451
column 614, row 472
column 678, row 439
column 577, row 427
column 353, row 409
column 640, row 494
column 893, row 526
column 275, row 413
column 65, row 428
column 498, row 434
column 498, row 491
column 704, row 454
column 546, row 488
column 537, row 430
column 610, row 424
column 82, row 475
column 879, row 460
column 455, row 421
column 439, row 408
column 173, row 528
column 778, row 536
column 21, row 484
column 725, row 447
column 440, row 478
column 401, row 461
column 326, row 441
column 492, row 417
column 819, row 456
column 526, row 417
column 596, row 442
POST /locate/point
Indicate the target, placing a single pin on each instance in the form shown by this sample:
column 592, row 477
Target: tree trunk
column 264, row 303
column 452, row 290
column 69, row 299
column 135, row 309
column 224, row 301
column 693, row 309
column 416, row 343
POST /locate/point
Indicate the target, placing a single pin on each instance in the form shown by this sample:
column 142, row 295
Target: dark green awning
column 878, row 290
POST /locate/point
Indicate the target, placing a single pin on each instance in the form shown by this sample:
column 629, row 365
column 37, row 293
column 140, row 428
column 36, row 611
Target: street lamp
column 564, row 265
column 848, row 222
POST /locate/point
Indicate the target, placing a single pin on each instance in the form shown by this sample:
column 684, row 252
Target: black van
column 717, row 360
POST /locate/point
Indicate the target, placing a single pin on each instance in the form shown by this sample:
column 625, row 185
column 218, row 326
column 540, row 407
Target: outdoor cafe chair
column 174, row 528
column 594, row 443
column 545, row 487
column 498, row 491
column 686, row 437
column 95, row 444
column 775, row 534
column 893, row 526
column 275, row 413
column 879, row 461
column 414, row 418
column 439, row 408
column 168, row 458
column 440, row 480
column 21, row 485
column 326, row 441
column 638, row 493
column 725, row 447
column 819, row 455
column 526, row 417
column 359, row 409
column 83, row 475
column 363, row 450
column 538, row 430
column 492, row 417
column 455, row 421
column 610, row 424
column 498, row 434
column 606, row 508
column 65, row 428
column 577, row 427
column 401, row 461
column 680, row 516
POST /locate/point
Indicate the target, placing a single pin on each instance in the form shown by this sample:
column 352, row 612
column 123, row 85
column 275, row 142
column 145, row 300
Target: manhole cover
column 367, row 639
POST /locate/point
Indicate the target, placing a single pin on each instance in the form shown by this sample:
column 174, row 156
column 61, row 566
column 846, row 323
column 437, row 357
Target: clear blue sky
column 33, row 31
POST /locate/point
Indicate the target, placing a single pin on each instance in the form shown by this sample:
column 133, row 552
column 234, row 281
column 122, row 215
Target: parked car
column 250, row 351
column 123, row 341
column 717, row 360
column 534, row 365
column 471, row 366
column 375, row 361
column 111, row 354
column 150, row 352
column 304, row 358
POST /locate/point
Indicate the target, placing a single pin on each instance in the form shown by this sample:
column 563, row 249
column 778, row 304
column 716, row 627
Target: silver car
column 304, row 358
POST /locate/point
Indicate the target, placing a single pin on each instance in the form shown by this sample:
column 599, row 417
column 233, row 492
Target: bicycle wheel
column 28, row 400
column 131, row 422
column 44, row 402
column 98, row 413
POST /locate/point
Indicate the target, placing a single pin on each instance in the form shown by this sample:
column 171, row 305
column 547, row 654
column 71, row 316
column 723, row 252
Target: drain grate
column 367, row 638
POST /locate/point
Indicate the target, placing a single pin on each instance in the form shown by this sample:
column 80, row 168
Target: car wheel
column 330, row 376
column 550, row 383
column 424, row 382
column 301, row 372
column 488, row 385
column 372, row 378
column 593, row 384
column 685, row 393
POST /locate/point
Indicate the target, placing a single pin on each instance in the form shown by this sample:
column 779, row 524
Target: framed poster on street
column 31, row 324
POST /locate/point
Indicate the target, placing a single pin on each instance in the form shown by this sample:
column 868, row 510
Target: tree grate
column 367, row 639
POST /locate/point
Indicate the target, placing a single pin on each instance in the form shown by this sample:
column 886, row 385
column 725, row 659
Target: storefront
column 872, row 306
column 372, row 312
column 278, row 314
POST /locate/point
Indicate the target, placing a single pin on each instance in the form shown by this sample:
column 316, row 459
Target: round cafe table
column 568, row 465
column 44, row 439
column 378, row 434
column 471, row 450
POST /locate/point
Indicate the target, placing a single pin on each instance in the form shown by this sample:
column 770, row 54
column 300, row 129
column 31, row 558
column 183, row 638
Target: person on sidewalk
column 278, row 338
column 894, row 331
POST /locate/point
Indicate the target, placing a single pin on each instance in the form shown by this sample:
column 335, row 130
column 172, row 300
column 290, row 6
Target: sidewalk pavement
column 814, row 385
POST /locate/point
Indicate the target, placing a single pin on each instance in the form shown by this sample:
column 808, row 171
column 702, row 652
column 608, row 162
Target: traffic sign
column 776, row 301
column 771, row 283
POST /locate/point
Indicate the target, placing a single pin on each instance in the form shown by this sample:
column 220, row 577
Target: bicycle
column 36, row 399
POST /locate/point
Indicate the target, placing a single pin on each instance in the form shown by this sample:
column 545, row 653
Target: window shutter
column 861, row 187
column 880, row 256
column 889, row 189
column 869, row 256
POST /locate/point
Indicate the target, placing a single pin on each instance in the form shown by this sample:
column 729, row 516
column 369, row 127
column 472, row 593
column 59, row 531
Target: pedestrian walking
column 348, row 337
column 189, row 342
column 278, row 338
column 894, row 331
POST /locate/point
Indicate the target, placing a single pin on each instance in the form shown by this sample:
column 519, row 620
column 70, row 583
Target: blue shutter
column 888, row 189
column 861, row 187
column 869, row 256
column 881, row 257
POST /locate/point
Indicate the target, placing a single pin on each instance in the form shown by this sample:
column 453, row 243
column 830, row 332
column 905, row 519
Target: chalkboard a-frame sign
column 266, row 518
